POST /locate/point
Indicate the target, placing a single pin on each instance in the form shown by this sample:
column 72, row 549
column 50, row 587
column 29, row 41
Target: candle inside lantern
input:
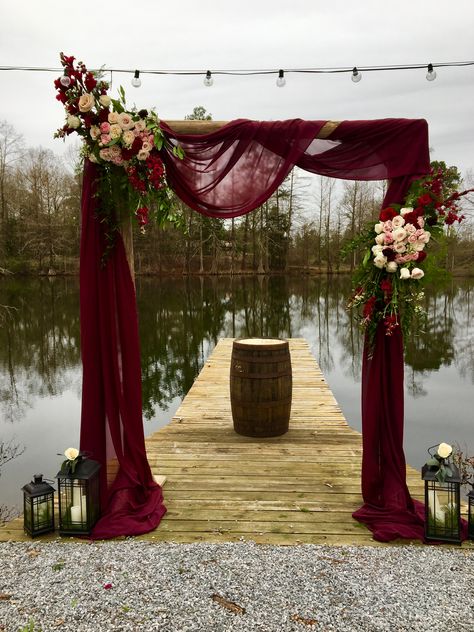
column 76, row 494
column 84, row 508
column 76, row 513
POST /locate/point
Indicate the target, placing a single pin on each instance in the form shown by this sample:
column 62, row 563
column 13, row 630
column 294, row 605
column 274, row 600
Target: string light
column 431, row 74
column 281, row 81
column 356, row 76
column 136, row 81
column 355, row 71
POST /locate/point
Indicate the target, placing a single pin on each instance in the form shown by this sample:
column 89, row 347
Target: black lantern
column 38, row 507
column 442, row 505
column 470, row 514
column 79, row 498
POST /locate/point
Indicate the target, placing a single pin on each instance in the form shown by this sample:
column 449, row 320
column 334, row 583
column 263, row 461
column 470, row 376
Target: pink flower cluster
column 400, row 239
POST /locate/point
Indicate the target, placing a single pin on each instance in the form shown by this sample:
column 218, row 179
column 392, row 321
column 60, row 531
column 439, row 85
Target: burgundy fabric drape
column 226, row 174
column 111, row 422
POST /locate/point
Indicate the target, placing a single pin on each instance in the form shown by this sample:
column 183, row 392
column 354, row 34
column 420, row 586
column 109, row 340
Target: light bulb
column 65, row 81
column 431, row 74
column 281, row 81
column 208, row 80
column 136, row 81
column 356, row 76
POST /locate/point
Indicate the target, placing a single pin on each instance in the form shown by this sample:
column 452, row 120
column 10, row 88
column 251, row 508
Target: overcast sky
column 250, row 34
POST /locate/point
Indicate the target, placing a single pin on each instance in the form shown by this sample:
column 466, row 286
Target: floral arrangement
column 125, row 143
column 465, row 464
column 73, row 457
column 439, row 461
column 387, row 282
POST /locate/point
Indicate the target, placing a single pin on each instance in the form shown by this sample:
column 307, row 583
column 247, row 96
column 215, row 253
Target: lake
column 181, row 320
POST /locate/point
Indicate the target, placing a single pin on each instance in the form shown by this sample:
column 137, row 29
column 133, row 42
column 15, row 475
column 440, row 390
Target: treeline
column 303, row 226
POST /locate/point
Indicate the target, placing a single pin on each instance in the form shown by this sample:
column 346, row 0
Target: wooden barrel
column 260, row 386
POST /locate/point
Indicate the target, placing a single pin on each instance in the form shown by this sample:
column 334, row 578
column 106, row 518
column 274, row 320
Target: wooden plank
column 299, row 488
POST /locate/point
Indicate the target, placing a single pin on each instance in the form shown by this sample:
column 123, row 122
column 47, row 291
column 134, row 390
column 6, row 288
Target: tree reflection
column 181, row 320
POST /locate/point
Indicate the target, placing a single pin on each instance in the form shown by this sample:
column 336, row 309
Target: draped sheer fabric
column 225, row 174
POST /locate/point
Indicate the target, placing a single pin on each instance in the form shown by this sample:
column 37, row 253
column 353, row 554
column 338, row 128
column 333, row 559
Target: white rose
column 113, row 117
column 115, row 131
column 377, row 250
column 128, row 138
column 378, row 228
column 105, row 100
column 424, row 237
column 142, row 154
column 444, row 450
column 398, row 221
column 71, row 453
column 146, row 146
column 399, row 234
column 125, row 121
column 405, row 211
column 399, row 247
column 404, row 273
column 416, row 273
column 94, row 132
column 392, row 266
column 380, row 261
column 73, row 121
column 380, row 239
column 86, row 102
column 418, row 246
column 140, row 125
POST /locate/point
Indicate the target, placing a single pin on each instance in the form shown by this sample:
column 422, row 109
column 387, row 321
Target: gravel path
column 136, row 585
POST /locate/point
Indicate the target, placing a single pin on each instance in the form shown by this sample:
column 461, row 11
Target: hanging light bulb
column 208, row 80
column 281, row 81
column 431, row 74
column 65, row 80
column 136, row 81
column 356, row 76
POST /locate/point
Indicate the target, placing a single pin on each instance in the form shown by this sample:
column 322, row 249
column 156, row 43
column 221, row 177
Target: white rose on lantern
column 398, row 221
column 71, row 454
column 86, row 102
column 73, row 121
column 378, row 228
column 417, row 273
column 392, row 266
column 105, row 100
column 444, row 450
column 404, row 273
column 406, row 210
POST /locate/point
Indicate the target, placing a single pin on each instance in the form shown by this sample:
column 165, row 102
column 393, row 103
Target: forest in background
column 301, row 228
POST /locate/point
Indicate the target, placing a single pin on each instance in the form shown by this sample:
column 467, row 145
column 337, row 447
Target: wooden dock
column 299, row 488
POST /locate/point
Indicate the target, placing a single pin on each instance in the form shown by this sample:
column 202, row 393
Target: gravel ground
column 137, row 585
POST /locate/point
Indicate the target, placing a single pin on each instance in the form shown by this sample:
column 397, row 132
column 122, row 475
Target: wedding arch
column 226, row 173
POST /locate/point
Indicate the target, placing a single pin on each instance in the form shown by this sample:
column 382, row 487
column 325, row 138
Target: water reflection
column 181, row 319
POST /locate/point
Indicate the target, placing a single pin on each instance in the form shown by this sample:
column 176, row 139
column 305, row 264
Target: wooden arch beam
column 206, row 127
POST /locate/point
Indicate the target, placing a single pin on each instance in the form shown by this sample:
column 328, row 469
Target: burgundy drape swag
column 225, row 174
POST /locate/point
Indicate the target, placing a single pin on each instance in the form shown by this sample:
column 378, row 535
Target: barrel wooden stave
column 261, row 387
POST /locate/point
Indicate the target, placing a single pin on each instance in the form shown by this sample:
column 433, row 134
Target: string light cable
column 355, row 72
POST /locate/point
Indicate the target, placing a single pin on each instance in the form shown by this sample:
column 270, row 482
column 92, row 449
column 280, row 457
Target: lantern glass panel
column 470, row 515
column 442, row 507
column 79, row 499
column 38, row 507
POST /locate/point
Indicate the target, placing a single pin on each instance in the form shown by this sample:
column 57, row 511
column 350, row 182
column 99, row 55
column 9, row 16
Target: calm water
column 180, row 322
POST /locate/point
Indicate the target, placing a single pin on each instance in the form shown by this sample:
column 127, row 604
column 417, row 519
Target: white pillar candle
column 76, row 513
column 84, row 508
column 76, row 494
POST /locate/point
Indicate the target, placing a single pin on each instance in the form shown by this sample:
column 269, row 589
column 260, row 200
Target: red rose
column 411, row 218
column 424, row 199
column 136, row 146
column 421, row 256
column 387, row 213
column 419, row 211
column 104, row 115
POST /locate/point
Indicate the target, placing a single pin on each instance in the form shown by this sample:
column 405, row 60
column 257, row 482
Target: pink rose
column 412, row 238
column 105, row 139
column 410, row 229
column 125, row 121
column 421, row 222
column 398, row 221
column 387, row 226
